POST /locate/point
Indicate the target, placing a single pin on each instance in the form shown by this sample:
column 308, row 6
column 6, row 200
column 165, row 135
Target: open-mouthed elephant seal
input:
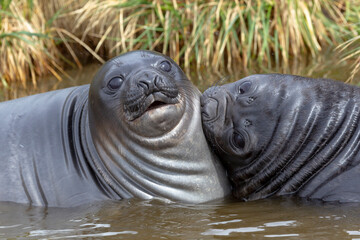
column 286, row 135
column 135, row 132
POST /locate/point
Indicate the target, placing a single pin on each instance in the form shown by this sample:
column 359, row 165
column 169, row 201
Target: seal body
column 286, row 135
column 40, row 161
column 134, row 132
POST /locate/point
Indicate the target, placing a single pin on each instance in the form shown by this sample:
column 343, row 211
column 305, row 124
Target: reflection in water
column 225, row 232
column 281, row 235
column 225, row 222
column 281, row 223
column 284, row 218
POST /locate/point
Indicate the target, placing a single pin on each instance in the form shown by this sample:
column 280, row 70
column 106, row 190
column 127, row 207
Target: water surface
column 153, row 219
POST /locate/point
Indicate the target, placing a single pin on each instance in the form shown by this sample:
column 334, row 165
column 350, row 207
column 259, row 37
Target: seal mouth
column 156, row 104
column 157, row 100
column 152, row 102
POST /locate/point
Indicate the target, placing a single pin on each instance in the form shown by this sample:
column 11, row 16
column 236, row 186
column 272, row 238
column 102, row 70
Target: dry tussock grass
column 197, row 34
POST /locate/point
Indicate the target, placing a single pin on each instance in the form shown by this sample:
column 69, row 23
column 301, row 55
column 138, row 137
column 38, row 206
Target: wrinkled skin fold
column 134, row 132
column 286, row 135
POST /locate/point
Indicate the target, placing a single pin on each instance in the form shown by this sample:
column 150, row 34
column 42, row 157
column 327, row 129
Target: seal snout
column 154, row 83
column 210, row 104
column 150, row 90
column 151, row 82
column 209, row 108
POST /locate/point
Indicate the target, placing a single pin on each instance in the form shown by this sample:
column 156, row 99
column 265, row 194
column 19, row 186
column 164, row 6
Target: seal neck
column 82, row 148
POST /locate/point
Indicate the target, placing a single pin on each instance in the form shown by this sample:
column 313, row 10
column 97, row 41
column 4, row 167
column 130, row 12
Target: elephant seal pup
column 136, row 132
column 286, row 135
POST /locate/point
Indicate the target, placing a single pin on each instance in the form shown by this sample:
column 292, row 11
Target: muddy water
column 134, row 219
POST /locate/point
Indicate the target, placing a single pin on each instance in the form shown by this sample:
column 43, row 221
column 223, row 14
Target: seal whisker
column 190, row 94
column 220, row 81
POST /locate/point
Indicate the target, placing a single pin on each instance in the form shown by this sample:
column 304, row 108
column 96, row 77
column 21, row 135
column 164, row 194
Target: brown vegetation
column 39, row 37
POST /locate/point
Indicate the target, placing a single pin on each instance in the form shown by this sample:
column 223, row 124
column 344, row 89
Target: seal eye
column 238, row 140
column 115, row 83
column 244, row 87
column 165, row 66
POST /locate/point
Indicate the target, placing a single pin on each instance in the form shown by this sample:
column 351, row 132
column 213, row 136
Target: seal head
column 283, row 134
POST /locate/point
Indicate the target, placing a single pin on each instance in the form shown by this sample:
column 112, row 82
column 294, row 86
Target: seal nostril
column 146, row 85
column 158, row 81
column 143, row 84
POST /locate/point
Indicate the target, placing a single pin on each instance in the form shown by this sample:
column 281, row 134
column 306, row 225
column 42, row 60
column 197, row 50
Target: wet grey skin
column 280, row 135
column 134, row 132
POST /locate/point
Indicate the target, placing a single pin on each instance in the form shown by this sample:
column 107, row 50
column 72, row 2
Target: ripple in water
column 77, row 233
column 152, row 219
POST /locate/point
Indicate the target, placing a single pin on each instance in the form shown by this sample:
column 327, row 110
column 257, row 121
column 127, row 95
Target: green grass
column 38, row 37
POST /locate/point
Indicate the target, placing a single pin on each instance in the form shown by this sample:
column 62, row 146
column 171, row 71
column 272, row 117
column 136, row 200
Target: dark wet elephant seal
column 136, row 132
column 286, row 135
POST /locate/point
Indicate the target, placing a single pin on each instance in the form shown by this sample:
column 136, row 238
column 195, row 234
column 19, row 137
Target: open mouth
column 156, row 104
column 149, row 103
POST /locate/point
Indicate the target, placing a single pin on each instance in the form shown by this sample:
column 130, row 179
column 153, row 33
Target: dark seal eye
column 238, row 140
column 115, row 83
column 244, row 87
column 165, row 66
